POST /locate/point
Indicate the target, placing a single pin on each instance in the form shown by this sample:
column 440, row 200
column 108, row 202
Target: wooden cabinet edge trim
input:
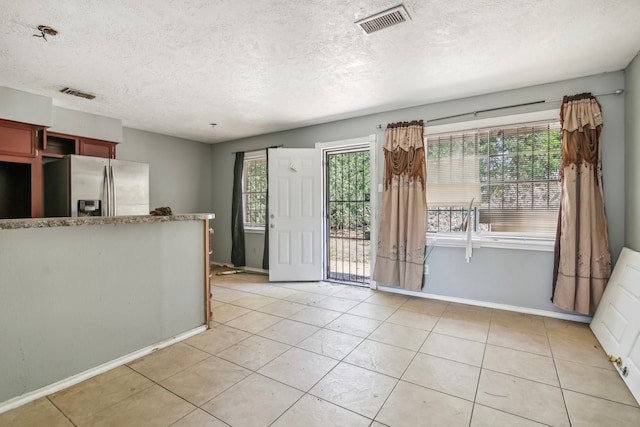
column 207, row 271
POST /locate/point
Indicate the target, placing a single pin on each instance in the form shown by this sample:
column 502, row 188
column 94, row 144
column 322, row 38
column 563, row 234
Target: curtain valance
column 404, row 151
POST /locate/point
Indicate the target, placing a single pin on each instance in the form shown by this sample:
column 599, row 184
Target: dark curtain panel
column 237, row 215
column 265, row 251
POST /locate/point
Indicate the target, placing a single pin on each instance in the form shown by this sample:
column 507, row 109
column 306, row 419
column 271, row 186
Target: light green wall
column 632, row 157
column 491, row 275
column 73, row 298
column 180, row 172
column 74, row 122
column 25, row 107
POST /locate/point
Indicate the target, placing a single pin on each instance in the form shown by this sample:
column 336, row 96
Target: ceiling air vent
column 77, row 93
column 384, row 19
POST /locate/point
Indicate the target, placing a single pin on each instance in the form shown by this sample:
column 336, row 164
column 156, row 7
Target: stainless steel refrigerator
column 95, row 186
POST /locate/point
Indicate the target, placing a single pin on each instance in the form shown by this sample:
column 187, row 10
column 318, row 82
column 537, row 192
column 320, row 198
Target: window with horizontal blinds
column 453, row 170
column 254, row 191
column 510, row 173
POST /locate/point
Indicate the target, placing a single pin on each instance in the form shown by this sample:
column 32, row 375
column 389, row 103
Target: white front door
column 295, row 215
column 616, row 322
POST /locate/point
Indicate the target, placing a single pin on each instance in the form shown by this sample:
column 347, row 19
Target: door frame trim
column 323, row 148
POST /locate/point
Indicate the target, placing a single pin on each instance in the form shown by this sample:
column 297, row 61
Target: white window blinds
column 453, row 170
column 511, row 172
column 254, row 190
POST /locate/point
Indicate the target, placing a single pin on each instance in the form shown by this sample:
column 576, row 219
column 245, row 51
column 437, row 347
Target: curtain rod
column 615, row 92
column 257, row 149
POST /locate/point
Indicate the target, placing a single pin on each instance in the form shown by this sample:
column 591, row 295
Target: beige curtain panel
column 582, row 258
column 403, row 220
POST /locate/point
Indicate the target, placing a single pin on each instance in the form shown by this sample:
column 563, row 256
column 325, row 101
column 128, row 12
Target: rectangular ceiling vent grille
column 384, row 19
column 77, row 93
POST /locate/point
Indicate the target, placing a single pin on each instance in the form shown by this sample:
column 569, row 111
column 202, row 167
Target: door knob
column 272, row 225
column 616, row 360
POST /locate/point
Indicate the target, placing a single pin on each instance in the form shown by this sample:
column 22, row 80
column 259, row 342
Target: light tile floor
column 320, row 354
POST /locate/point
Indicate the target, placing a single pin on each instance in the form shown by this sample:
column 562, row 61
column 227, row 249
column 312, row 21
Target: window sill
column 459, row 240
column 254, row 230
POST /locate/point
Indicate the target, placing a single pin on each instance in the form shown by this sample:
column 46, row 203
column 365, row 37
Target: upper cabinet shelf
column 59, row 145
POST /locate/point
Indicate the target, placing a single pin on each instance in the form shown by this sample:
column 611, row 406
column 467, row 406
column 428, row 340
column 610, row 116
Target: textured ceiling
column 258, row 66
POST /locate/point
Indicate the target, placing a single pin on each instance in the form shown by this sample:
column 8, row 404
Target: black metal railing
column 348, row 216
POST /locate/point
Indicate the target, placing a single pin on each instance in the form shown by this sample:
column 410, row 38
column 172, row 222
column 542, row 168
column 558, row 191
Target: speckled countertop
column 12, row 224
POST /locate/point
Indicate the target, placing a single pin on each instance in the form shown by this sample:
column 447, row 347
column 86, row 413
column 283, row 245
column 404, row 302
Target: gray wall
column 487, row 277
column 503, row 276
column 254, row 248
column 79, row 123
column 180, row 172
column 632, row 168
column 25, row 107
column 73, row 298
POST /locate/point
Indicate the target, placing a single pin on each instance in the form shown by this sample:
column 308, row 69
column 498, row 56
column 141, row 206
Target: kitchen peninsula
column 79, row 296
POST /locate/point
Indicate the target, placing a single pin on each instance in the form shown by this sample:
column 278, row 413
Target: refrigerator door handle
column 106, row 186
column 113, row 192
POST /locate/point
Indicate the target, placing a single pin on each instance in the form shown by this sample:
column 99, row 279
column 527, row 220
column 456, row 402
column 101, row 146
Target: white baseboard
column 507, row 307
column 90, row 373
column 375, row 286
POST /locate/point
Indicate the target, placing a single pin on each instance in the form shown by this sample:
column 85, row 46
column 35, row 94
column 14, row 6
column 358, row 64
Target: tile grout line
column 126, row 366
column 516, row 376
column 304, row 393
column 413, row 358
column 342, row 360
column 555, row 365
column 563, row 389
column 373, row 419
column 367, row 337
column 484, row 353
column 405, row 369
column 418, row 351
column 482, row 368
column 60, row 410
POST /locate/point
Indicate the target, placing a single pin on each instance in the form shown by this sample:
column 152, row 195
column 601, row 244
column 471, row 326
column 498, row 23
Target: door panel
column 284, row 198
column 616, row 322
column 295, row 215
column 307, row 242
column 131, row 182
column 284, row 248
column 87, row 176
column 307, row 198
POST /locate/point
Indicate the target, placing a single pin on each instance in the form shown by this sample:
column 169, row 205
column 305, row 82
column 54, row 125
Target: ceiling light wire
column 45, row 31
